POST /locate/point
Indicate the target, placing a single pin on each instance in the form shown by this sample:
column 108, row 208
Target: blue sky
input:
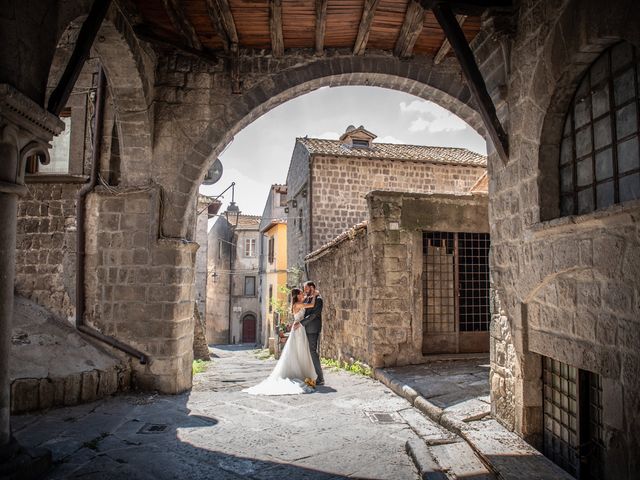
column 260, row 154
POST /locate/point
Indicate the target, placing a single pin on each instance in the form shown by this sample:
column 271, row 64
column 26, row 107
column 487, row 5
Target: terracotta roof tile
column 391, row 151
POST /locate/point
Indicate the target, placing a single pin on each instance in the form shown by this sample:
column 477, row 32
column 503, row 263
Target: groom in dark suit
column 312, row 323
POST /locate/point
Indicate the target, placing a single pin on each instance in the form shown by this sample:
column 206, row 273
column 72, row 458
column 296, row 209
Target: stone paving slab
column 216, row 431
column 464, row 412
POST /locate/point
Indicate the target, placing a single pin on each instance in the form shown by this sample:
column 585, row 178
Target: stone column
column 25, row 131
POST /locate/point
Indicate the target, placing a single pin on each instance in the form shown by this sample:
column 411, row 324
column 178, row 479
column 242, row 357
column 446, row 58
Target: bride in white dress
column 295, row 364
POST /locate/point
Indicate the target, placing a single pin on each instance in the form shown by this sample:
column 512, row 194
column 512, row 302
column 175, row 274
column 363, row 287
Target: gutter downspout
column 80, row 230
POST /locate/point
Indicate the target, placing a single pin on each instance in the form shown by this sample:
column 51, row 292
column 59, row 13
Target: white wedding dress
column 293, row 367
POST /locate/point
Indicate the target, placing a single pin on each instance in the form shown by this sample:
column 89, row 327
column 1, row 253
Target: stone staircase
column 53, row 365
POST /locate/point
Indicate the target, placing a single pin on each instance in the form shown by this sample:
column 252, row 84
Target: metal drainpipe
column 232, row 246
column 80, row 230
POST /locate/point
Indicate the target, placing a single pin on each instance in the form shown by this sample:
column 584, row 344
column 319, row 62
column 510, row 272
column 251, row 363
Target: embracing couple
column 298, row 369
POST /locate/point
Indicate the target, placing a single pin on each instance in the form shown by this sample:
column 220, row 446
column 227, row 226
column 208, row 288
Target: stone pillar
column 25, row 130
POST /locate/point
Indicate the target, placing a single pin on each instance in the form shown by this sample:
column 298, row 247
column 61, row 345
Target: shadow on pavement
column 144, row 437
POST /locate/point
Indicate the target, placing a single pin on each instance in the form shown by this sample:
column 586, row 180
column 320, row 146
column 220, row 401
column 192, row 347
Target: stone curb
column 423, row 460
column 420, row 454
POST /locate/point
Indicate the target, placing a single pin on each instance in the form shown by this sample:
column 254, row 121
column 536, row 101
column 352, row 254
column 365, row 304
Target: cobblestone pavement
column 216, row 431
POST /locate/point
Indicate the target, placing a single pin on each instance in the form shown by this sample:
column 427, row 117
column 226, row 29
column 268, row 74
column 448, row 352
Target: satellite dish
column 214, row 173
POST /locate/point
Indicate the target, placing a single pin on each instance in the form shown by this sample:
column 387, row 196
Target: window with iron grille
column 572, row 419
column 600, row 152
column 271, row 254
column 456, row 275
column 250, row 286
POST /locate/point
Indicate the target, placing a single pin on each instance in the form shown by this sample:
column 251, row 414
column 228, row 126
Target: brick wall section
column 45, row 246
column 341, row 184
column 140, row 290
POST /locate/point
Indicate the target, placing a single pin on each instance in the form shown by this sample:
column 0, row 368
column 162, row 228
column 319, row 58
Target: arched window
column 600, row 152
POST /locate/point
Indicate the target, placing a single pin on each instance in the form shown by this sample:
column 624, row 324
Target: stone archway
column 441, row 84
column 129, row 76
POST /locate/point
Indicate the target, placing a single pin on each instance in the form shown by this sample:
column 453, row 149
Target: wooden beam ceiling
column 368, row 12
column 181, row 23
column 410, row 31
column 86, row 36
column 467, row 7
column 449, row 24
column 321, row 25
column 222, row 19
column 445, row 48
column 275, row 25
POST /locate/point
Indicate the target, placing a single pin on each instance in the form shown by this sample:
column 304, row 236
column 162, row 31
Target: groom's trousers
column 313, row 346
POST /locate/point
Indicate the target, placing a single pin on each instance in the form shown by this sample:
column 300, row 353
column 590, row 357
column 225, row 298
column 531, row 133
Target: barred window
column 599, row 154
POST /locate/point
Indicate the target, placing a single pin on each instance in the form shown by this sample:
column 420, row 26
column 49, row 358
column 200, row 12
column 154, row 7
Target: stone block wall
column 46, row 246
column 343, row 276
column 371, row 277
column 567, row 288
column 340, row 185
column 140, row 289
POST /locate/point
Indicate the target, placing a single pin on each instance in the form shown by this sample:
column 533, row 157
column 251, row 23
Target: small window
column 300, row 220
column 60, row 148
column 249, row 247
column 249, row 286
column 359, row 143
column 283, row 200
column 219, row 249
column 600, row 152
column 271, row 249
column 270, row 298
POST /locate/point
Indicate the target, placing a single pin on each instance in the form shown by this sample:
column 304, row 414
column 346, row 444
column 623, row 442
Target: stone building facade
column 373, row 278
column 272, row 243
column 328, row 181
column 234, row 313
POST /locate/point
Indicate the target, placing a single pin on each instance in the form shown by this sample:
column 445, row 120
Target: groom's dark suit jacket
column 312, row 320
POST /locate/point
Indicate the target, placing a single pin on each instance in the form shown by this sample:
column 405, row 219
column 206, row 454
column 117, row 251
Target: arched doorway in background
column 249, row 328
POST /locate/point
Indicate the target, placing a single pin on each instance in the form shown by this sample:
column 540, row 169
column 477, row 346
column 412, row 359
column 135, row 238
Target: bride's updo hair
column 294, row 295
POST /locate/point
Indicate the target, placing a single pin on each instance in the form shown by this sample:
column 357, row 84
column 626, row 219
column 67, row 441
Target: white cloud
column 433, row 118
column 418, row 125
column 388, row 139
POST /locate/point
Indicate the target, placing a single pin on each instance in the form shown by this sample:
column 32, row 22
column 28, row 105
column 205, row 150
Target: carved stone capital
column 26, row 129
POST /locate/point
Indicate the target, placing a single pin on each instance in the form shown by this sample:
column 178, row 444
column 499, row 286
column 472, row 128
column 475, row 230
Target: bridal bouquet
column 284, row 328
column 311, row 383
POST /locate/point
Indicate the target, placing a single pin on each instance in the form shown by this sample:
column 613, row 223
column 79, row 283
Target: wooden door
column 249, row 329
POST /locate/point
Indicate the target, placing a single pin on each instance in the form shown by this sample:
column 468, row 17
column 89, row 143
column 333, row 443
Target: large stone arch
column 442, row 84
column 129, row 72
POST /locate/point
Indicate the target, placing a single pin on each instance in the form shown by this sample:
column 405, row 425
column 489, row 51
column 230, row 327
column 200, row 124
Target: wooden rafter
column 445, row 48
column 368, row 12
column 475, row 81
column 86, row 36
column 275, row 24
column 410, row 31
column 222, row 19
column 467, row 7
column 321, row 25
column 146, row 34
column 181, row 23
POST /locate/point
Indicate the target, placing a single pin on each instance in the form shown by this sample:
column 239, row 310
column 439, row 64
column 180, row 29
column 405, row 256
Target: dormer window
column 358, row 143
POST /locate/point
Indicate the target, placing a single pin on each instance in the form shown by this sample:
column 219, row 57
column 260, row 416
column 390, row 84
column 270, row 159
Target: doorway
column 456, row 292
column 249, row 329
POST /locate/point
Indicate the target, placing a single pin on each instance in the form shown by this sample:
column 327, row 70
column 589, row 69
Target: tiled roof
column 248, row 222
column 482, row 185
column 349, row 234
column 392, row 151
